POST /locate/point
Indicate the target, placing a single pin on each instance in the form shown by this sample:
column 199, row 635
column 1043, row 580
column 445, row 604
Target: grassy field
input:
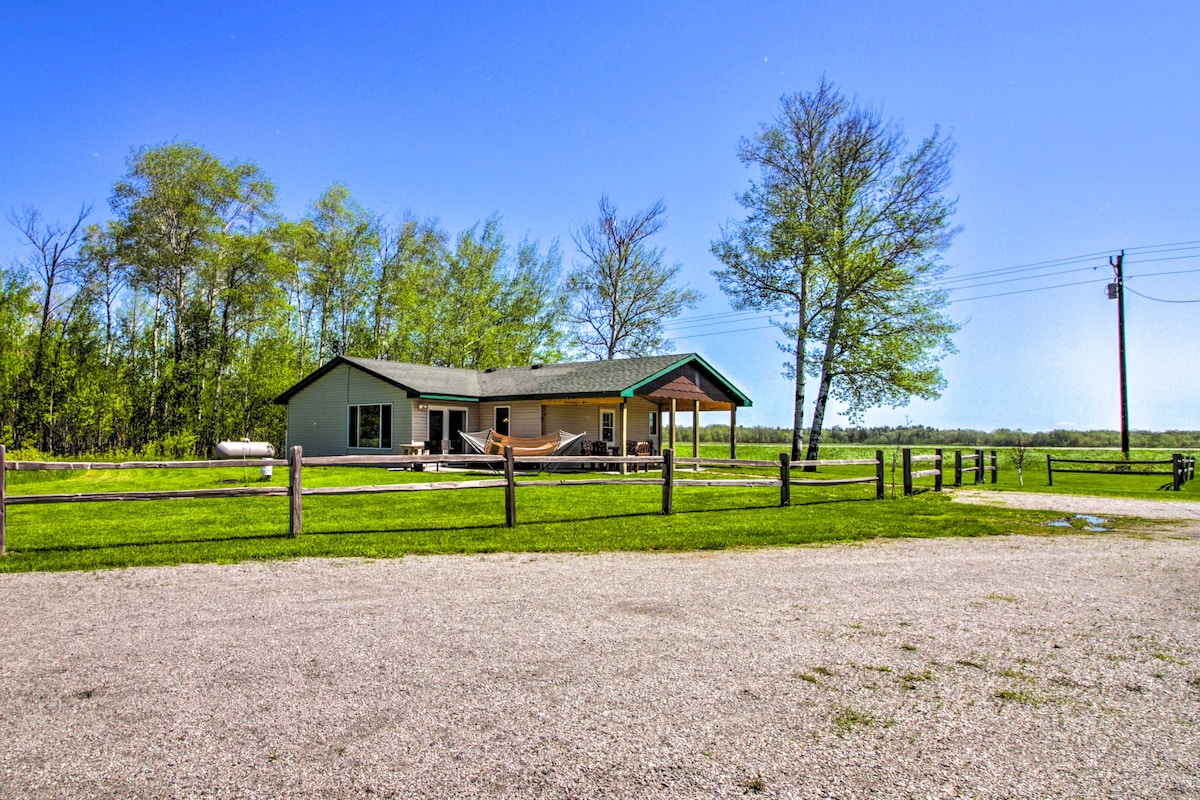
column 555, row 519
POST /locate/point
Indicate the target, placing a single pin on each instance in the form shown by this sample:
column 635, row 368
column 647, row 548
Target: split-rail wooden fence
column 1183, row 468
column 296, row 491
column 937, row 472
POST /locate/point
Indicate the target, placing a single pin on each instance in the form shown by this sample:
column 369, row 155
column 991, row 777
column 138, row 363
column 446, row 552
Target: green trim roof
column 618, row 377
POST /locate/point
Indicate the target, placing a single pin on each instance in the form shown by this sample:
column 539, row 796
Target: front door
column 437, row 426
column 608, row 425
column 458, row 423
column 447, row 423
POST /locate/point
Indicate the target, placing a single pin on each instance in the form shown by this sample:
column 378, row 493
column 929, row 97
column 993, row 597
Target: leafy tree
column 53, row 265
column 622, row 291
column 842, row 234
column 497, row 308
column 176, row 209
column 343, row 240
column 173, row 204
column 409, row 265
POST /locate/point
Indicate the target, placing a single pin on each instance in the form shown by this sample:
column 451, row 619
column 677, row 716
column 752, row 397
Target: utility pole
column 1116, row 291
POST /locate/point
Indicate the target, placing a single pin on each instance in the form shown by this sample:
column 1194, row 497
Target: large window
column 371, row 426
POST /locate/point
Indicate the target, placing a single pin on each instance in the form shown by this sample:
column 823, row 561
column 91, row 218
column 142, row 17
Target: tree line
column 176, row 323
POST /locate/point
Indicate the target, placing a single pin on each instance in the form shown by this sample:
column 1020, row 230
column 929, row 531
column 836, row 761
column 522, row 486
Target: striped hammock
column 490, row 443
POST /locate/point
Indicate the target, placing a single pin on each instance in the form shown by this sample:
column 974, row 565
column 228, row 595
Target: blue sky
column 1077, row 126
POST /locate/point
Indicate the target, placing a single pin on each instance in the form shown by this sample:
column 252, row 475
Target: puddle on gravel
column 1084, row 522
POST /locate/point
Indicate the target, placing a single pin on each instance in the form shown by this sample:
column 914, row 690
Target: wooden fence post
column 995, row 469
column 906, row 466
column 937, row 481
column 1049, row 470
column 510, row 488
column 668, row 474
column 1177, row 472
column 295, row 490
column 979, row 465
column 785, row 480
column 879, row 485
column 3, row 499
column 958, row 467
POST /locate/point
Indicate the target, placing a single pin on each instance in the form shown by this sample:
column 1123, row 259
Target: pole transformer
column 1116, row 291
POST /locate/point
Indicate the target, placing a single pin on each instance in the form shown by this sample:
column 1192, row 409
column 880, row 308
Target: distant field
column 1034, row 472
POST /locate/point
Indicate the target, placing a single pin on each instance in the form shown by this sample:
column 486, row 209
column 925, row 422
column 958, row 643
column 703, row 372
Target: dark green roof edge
column 453, row 397
column 629, row 392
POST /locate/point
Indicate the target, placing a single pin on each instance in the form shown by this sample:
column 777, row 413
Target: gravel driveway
column 1059, row 666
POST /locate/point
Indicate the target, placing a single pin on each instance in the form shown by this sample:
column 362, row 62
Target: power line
column 741, row 316
column 991, row 273
column 722, row 333
column 1159, row 299
column 1168, row 258
column 1027, row 291
column 1025, row 278
column 1068, row 260
column 1160, row 274
column 1077, row 269
column 1163, row 246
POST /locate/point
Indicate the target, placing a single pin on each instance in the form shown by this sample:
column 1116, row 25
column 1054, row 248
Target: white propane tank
column 245, row 449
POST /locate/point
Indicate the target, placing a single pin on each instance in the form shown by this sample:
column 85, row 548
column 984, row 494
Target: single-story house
column 360, row 406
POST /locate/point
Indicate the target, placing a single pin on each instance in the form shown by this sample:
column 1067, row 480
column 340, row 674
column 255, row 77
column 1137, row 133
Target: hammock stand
column 490, row 443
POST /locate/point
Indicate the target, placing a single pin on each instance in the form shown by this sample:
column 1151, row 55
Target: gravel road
column 1023, row 666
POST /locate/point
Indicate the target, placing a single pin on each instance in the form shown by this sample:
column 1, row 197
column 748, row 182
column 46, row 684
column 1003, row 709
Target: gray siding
column 572, row 418
column 639, row 420
column 586, row 419
column 524, row 417
column 318, row 417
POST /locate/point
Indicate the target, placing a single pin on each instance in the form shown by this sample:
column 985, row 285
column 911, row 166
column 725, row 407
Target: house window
column 654, row 423
column 501, row 426
column 608, row 425
column 371, row 426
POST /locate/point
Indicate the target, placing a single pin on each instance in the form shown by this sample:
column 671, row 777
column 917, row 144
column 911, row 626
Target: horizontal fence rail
column 295, row 490
column 1182, row 468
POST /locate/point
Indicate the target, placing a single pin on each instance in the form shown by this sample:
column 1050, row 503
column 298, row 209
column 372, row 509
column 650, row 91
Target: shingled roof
column 618, row 377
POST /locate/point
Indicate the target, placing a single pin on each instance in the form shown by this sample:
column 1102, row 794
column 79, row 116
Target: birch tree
column 844, row 231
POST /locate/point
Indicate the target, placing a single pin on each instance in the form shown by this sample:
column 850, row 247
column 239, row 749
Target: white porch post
column 624, row 433
column 732, row 431
column 696, row 433
column 672, row 439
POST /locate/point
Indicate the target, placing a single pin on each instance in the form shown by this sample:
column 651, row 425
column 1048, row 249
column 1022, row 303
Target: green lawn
column 550, row 519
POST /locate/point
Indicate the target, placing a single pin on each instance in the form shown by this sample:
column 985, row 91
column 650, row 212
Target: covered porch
column 687, row 389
